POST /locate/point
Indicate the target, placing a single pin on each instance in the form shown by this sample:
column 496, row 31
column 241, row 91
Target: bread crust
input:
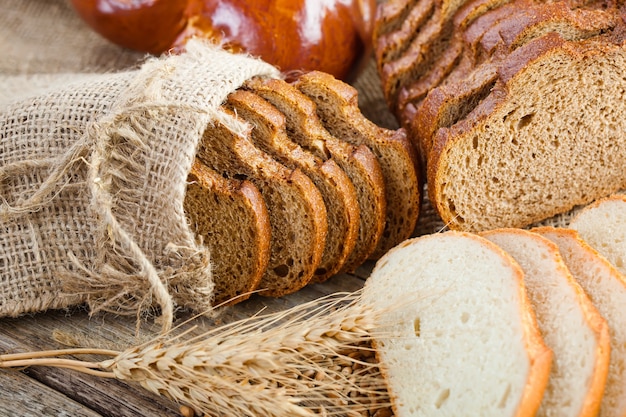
column 396, row 154
column 229, row 289
column 337, row 190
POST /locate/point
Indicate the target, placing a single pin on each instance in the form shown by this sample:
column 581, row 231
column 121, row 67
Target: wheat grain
column 313, row 359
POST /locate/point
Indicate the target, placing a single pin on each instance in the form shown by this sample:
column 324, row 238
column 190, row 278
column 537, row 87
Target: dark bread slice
column 391, row 45
column 390, row 16
column 269, row 134
column 337, row 105
column 232, row 220
column 473, row 79
column 547, row 138
column 422, row 52
column 453, row 59
column 358, row 161
column 296, row 208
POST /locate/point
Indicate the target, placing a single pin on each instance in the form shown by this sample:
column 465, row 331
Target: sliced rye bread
column 606, row 287
column 512, row 26
column 358, row 161
column 390, row 45
column 453, row 58
column 340, row 198
column 296, row 208
column 232, row 220
column 459, row 336
column 421, row 53
column 337, row 107
column 390, row 16
column 570, row 325
column 603, row 226
column 522, row 151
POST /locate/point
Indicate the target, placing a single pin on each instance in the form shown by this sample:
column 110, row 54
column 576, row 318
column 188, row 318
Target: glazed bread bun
column 332, row 36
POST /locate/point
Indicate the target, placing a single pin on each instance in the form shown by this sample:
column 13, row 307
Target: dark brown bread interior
column 357, row 160
column 340, row 198
column 232, row 220
column 296, row 208
column 337, row 107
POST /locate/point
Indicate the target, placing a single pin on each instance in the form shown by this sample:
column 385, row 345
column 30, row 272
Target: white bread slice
column 460, row 336
column 606, row 288
column 571, row 326
column 603, row 226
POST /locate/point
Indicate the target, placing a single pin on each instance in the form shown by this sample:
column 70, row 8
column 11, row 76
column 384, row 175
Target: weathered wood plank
column 111, row 398
column 25, row 397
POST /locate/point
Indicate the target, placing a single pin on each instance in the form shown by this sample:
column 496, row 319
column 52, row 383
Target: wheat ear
column 312, row 359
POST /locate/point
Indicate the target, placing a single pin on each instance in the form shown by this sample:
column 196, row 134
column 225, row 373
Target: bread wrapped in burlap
column 93, row 172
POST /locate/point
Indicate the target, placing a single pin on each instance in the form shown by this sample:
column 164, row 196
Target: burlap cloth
column 96, row 143
column 95, row 146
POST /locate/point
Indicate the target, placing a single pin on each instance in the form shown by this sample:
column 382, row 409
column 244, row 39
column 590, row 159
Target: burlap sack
column 93, row 167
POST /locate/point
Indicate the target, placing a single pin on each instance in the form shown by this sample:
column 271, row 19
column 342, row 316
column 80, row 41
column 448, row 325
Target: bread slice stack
column 515, row 106
column 282, row 202
column 459, row 336
column 450, row 326
column 570, row 324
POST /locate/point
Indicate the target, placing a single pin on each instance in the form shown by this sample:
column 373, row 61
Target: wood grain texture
column 53, row 392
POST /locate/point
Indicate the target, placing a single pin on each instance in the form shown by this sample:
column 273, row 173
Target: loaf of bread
column 570, row 324
column 358, row 161
column 337, row 108
column 339, row 194
column 459, row 337
column 606, row 287
column 324, row 197
column 296, row 208
column 509, row 129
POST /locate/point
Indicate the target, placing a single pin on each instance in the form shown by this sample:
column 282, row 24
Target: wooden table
column 47, row 392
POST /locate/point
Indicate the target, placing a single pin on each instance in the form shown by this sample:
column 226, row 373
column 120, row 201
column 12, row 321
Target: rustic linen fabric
column 94, row 162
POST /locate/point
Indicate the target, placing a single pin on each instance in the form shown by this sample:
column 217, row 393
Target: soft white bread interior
column 460, row 336
column 603, row 226
column 606, row 287
column 571, row 326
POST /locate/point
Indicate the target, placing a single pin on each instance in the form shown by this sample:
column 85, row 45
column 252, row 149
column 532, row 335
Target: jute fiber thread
column 93, row 177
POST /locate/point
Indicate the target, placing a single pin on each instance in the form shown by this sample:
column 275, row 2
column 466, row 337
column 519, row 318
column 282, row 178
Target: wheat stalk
column 312, row 359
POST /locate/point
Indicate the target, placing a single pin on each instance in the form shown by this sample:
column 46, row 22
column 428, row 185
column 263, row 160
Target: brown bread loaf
column 357, row 160
column 340, row 198
column 337, row 107
column 522, row 150
column 296, row 208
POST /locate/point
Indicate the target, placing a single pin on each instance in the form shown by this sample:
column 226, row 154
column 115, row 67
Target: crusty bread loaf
column 358, row 161
column 340, row 198
column 484, row 45
column 606, row 288
column 337, row 107
column 460, row 336
column 522, row 151
column 603, row 226
column 570, row 324
column 296, row 208
column 231, row 218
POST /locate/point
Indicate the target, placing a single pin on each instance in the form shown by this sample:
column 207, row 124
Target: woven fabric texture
column 95, row 147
